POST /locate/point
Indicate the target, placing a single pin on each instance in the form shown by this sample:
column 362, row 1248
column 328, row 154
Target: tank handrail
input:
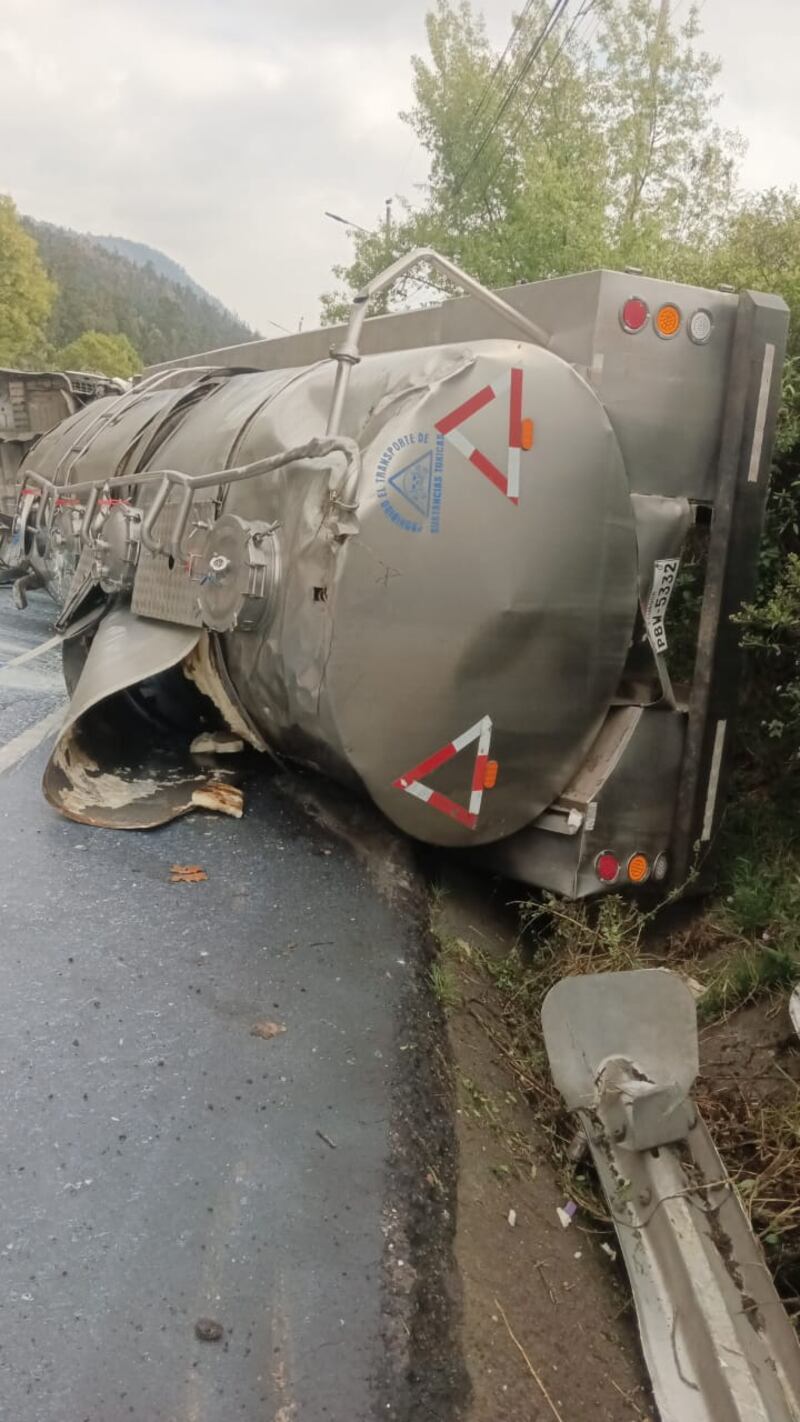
column 317, row 448
column 347, row 353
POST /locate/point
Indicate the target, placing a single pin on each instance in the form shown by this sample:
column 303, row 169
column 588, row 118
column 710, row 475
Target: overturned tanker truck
column 432, row 561
column 32, row 402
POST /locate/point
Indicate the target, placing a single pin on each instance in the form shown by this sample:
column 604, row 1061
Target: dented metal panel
column 664, row 398
column 455, row 602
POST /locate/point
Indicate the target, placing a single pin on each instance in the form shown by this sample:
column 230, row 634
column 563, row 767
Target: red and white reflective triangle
column 448, row 426
column 412, row 783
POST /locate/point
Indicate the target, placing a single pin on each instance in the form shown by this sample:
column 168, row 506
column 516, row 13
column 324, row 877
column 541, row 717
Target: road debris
column 187, row 874
column 512, row 1218
column 221, row 797
column 216, row 743
column 326, row 1139
column 267, row 1030
column 208, row 1330
column 566, row 1213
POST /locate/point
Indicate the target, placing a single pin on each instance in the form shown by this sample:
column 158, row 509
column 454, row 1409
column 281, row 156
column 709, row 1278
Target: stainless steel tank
column 428, row 559
column 449, row 628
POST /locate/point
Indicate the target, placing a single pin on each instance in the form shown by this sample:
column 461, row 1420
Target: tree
column 26, row 293
column 99, row 290
column 671, row 168
column 558, row 156
column 97, row 351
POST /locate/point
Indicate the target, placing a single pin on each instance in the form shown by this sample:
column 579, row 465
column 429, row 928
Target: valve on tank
column 238, row 572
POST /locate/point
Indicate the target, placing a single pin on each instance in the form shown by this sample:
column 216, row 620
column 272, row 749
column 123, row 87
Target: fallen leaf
column 187, row 874
column 266, row 1030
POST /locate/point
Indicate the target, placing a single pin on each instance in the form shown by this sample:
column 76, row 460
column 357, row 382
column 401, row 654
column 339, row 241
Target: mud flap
column 113, row 765
column 716, row 1338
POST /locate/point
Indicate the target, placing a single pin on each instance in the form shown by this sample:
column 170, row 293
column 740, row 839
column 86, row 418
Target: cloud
column 220, row 130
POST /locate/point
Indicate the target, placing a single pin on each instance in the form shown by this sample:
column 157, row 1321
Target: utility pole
column 388, row 227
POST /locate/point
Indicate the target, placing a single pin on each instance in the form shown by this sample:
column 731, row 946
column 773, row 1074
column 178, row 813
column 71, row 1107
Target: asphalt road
column 161, row 1164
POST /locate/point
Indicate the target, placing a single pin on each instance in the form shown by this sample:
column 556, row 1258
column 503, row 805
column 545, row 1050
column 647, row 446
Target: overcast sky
column 220, row 130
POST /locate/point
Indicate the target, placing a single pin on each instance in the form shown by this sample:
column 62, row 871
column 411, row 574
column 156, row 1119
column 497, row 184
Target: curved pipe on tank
column 348, row 354
column 345, row 497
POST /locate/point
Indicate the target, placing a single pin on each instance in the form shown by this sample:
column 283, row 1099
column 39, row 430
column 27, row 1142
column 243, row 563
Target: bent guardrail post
column 717, row 1341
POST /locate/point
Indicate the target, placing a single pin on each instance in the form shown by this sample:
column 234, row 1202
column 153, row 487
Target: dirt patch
column 756, row 1050
column 748, row 1094
column 564, row 1299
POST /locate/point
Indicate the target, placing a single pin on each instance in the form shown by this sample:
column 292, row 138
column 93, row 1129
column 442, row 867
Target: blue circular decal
column 408, row 482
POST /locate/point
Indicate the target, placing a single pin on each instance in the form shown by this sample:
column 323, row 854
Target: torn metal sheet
column 716, row 1338
column 221, row 797
column 205, row 667
column 122, row 773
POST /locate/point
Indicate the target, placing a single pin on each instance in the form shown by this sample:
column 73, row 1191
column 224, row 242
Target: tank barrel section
column 335, row 567
column 347, row 354
column 123, row 401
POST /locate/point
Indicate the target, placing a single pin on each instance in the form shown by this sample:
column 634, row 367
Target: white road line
column 27, row 741
column 31, row 653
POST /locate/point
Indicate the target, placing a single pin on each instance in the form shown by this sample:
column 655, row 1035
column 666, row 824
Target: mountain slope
column 102, row 290
column 144, row 256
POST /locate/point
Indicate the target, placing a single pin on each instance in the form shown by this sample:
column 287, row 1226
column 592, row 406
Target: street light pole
column 334, row 216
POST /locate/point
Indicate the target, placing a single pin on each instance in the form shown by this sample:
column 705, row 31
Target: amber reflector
column 668, row 320
column 638, row 868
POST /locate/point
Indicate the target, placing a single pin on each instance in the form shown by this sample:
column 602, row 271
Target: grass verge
column 742, row 953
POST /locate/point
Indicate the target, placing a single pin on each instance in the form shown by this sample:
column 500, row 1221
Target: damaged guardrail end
column 718, row 1343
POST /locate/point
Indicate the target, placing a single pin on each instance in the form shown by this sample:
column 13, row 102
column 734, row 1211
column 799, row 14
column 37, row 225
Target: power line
column 556, row 12
column 558, row 9
column 591, row 33
column 501, row 61
column 585, row 10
